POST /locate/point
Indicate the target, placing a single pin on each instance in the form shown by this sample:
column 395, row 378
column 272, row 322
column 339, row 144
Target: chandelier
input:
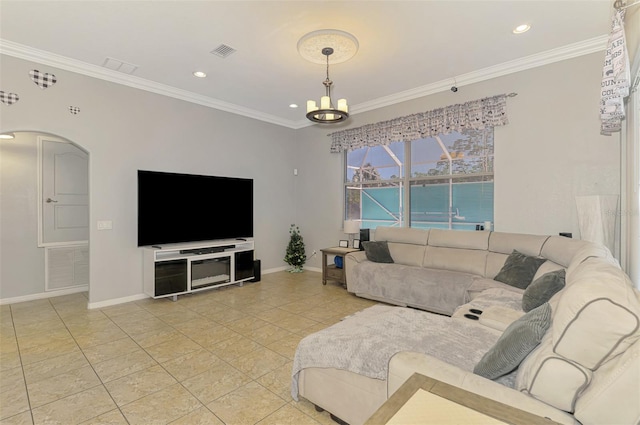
column 326, row 113
column 342, row 46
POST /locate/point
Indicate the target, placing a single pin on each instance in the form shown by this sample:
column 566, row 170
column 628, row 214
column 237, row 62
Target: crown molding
column 47, row 58
column 569, row 51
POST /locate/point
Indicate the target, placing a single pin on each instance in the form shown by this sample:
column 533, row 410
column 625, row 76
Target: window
column 444, row 182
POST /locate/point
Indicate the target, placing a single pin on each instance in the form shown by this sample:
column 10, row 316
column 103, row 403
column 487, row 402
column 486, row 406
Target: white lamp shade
column 351, row 227
column 342, row 105
column 311, row 105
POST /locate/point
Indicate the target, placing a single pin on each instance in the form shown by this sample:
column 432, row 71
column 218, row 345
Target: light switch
column 105, row 225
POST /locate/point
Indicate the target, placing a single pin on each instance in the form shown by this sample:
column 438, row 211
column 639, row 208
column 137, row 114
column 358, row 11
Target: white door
column 65, row 193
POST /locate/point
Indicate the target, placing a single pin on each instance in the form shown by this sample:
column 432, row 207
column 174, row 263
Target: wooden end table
column 330, row 271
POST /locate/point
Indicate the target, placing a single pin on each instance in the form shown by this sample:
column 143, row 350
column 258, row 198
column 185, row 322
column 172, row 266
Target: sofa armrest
column 406, row 363
column 350, row 260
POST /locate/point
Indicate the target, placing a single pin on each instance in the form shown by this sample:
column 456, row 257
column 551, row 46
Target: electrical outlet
column 105, row 225
column 313, row 254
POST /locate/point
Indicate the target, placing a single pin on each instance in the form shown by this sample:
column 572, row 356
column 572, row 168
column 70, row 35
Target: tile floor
column 222, row 356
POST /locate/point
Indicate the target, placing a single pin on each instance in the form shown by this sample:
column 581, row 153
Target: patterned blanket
column 365, row 342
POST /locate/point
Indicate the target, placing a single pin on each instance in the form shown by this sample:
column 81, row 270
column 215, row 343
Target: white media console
column 172, row 270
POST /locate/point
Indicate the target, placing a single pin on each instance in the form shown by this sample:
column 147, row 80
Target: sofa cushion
column 406, row 235
column 542, row 289
column 614, row 384
column 562, row 250
column 456, row 259
column 459, row 239
column 517, row 341
column 552, row 378
column 519, row 269
column 440, row 291
column 597, row 315
column 505, row 243
column 377, row 251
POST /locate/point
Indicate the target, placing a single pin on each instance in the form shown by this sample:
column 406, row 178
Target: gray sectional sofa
column 585, row 368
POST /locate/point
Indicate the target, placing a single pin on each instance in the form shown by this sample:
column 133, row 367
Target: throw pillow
column 377, row 251
column 517, row 341
column 542, row 289
column 519, row 269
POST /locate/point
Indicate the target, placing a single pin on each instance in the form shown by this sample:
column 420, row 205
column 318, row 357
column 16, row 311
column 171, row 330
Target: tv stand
column 177, row 269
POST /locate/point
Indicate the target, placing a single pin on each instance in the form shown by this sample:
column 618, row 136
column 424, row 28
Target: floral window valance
column 475, row 114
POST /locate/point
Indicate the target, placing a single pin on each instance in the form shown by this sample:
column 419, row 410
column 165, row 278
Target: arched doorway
column 44, row 217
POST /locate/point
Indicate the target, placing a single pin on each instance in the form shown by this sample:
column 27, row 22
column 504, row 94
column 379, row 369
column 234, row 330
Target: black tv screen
column 178, row 208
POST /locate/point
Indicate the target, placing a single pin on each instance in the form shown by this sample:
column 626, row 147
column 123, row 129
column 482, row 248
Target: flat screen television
column 179, row 208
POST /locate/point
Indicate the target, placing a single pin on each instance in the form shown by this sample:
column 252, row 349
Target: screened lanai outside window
column 452, row 180
column 449, row 185
column 374, row 185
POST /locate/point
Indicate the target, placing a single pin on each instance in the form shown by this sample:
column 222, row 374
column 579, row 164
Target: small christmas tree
column 295, row 255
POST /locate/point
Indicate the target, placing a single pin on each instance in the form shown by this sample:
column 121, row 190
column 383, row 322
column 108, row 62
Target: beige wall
column 124, row 130
column 550, row 152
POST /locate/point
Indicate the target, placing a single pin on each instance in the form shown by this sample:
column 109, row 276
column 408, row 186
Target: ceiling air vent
column 223, row 50
column 120, row 66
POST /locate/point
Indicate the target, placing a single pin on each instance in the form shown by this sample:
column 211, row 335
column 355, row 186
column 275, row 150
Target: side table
column 330, row 271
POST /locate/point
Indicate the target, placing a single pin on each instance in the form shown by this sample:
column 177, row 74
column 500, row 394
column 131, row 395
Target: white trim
column 115, row 301
column 47, row 58
column 569, row 51
column 43, row 295
column 39, row 189
column 528, row 62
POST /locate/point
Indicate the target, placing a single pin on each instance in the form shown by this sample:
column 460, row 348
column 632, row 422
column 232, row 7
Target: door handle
column 49, row 200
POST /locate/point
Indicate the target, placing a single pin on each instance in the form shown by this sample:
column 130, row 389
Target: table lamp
column 351, row 228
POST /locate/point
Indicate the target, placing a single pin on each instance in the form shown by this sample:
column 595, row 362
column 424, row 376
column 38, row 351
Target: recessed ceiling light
column 293, row 105
column 200, row 74
column 7, row 136
column 522, row 28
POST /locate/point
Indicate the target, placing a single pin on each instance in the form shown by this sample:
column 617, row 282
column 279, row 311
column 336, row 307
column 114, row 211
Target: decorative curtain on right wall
column 616, row 78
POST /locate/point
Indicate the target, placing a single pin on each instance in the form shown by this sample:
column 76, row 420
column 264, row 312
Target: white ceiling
column 407, row 48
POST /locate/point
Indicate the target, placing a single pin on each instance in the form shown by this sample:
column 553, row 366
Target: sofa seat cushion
column 497, row 296
column 480, row 285
column 440, row 291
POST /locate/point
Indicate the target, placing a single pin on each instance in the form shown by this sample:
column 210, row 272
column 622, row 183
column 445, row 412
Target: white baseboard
column 42, row 295
column 114, row 301
column 109, row 303
column 313, row 269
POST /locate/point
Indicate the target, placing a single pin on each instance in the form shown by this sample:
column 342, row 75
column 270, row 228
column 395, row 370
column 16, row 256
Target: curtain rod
column 619, row 5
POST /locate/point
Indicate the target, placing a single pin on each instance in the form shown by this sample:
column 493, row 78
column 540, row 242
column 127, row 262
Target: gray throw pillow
column 519, row 269
column 517, row 341
column 542, row 289
column 377, row 251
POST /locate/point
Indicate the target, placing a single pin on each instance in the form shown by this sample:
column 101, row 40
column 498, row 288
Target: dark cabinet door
column 171, row 277
column 244, row 265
